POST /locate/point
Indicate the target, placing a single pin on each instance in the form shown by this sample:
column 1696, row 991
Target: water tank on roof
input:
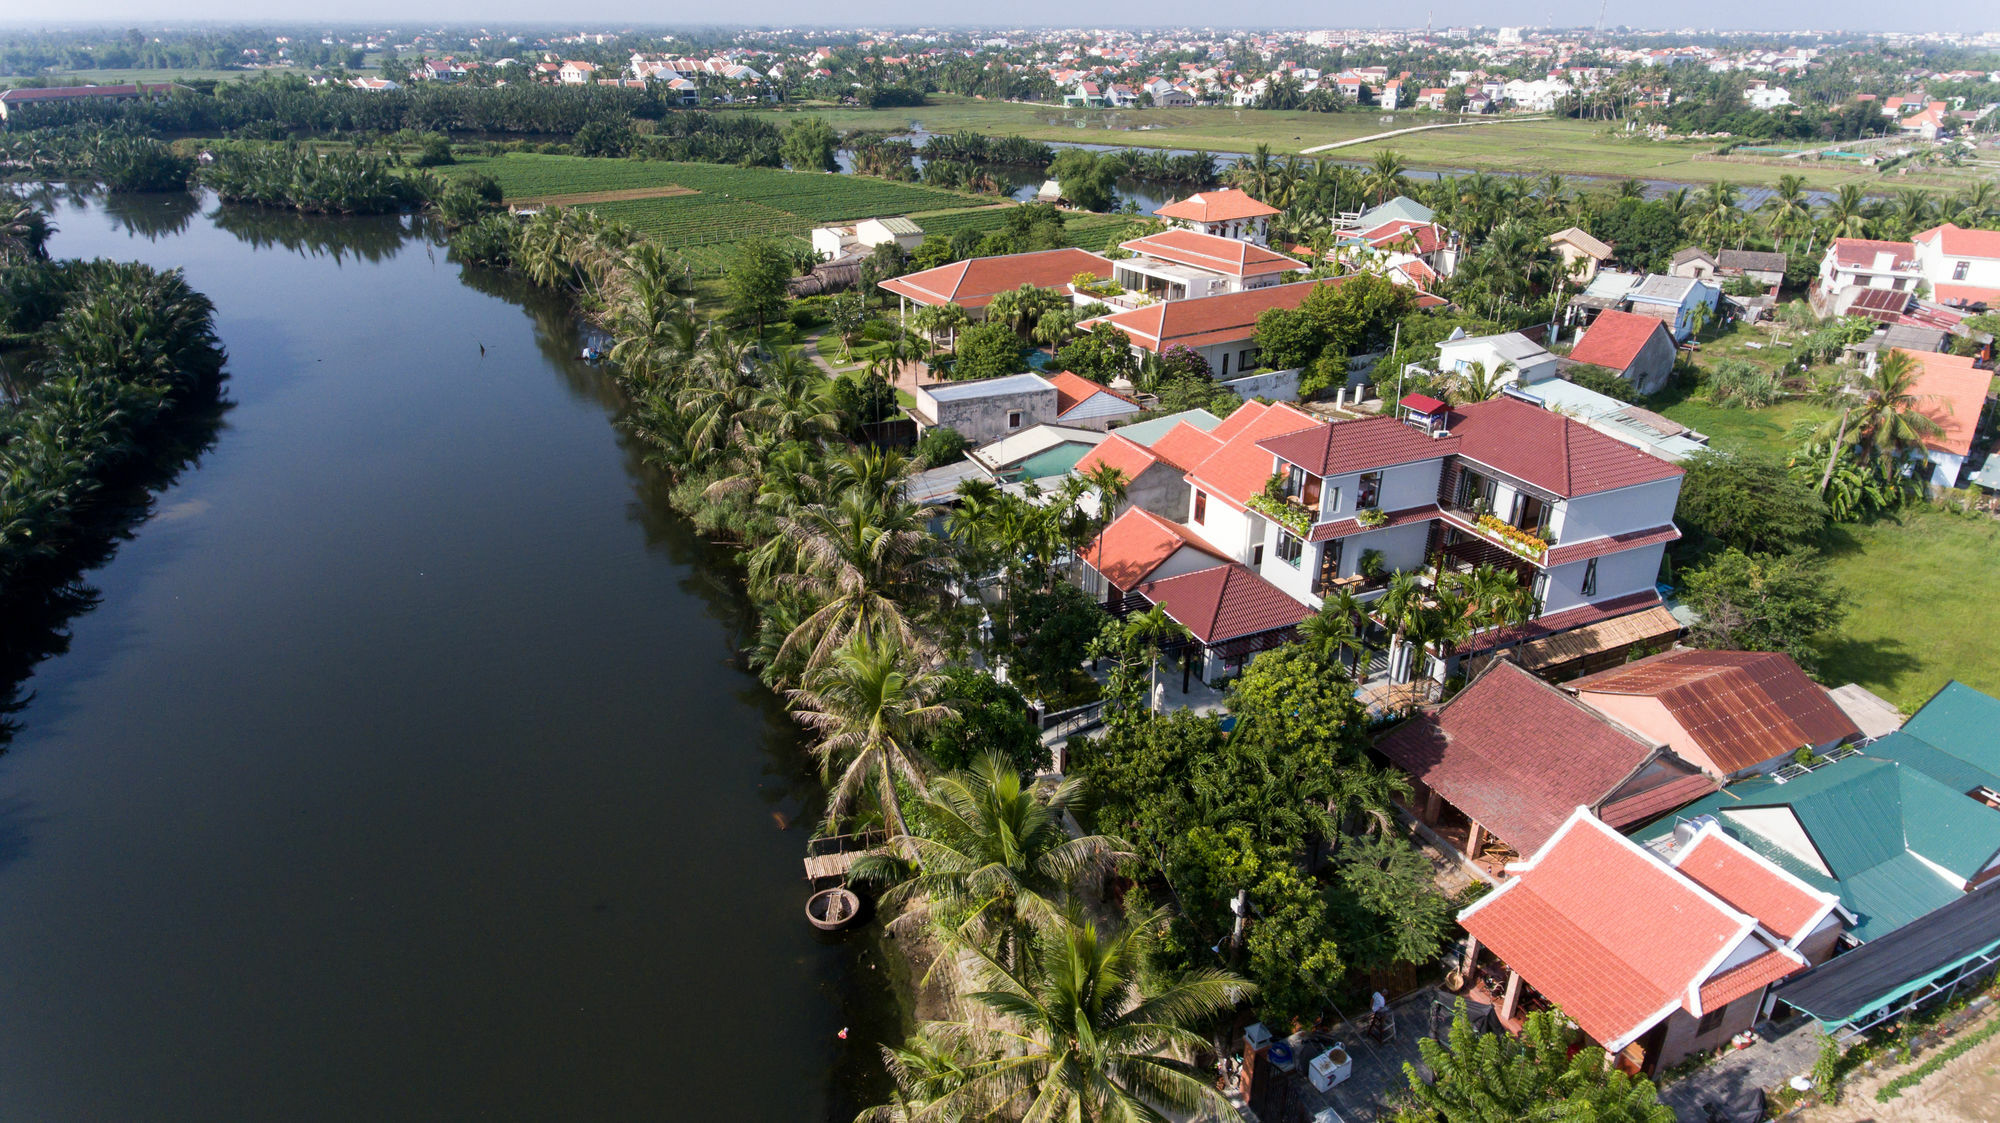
column 1686, row 829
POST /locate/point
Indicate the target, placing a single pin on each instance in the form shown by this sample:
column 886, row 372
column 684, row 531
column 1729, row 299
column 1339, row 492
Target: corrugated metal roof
column 1963, row 722
column 1741, row 708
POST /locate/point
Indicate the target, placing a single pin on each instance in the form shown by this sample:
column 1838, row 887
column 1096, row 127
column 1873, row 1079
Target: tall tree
column 1539, row 1075
column 870, row 705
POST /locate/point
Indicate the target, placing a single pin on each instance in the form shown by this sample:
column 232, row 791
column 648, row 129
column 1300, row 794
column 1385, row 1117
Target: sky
column 1732, row 14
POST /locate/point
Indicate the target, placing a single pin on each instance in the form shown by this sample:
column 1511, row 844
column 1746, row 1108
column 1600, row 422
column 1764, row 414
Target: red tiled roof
column 1751, row 884
column 1614, row 339
column 1135, row 544
column 1741, row 708
column 1073, row 389
column 1611, row 544
column 1423, row 235
column 1185, row 446
column 1957, row 241
column 1951, row 392
column 1517, row 755
column 1859, row 253
column 1747, row 978
column 1966, row 294
column 975, row 282
column 1122, row 453
column 1238, row 420
column 1221, row 205
column 1230, row 256
column 1205, row 319
column 1655, row 802
column 1358, row 446
column 1225, row 602
column 1239, row 469
column 1550, row 451
column 1605, row 931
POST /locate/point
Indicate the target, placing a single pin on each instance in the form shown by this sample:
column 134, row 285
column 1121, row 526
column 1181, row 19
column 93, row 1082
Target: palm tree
column 1888, row 420
column 1402, row 607
column 24, row 231
column 1257, row 174
column 1788, row 210
column 1476, row 384
column 1717, row 213
column 1088, row 1032
column 994, row 856
column 865, row 559
column 870, row 703
column 926, row 1069
column 1848, row 212
column 1911, row 212
column 1110, row 483
column 1334, row 631
column 1977, row 204
column 1385, row 177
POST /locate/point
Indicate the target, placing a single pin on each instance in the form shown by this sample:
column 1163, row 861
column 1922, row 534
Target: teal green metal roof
column 1963, row 723
column 1879, row 825
column 1944, row 767
column 1146, row 432
column 1056, row 460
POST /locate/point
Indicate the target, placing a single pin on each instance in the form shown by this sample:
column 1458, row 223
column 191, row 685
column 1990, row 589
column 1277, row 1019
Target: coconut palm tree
column 1258, row 174
column 870, row 703
column 993, row 859
column 926, row 1069
column 1716, row 214
column 1476, row 384
column 1385, row 176
column 1088, row 1035
column 1911, row 212
column 1111, row 484
column 1402, row 607
column 1976, row 205
column 1334, row 631
column 1847, row 214
column 1888, row 420
column 1788, row 210
column 863, row 561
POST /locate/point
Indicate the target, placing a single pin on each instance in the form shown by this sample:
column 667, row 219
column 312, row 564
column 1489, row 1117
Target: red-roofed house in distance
column 1638, row 349
column 1962, row 266
column 1497, row 769
column 1734, row 713
column 1224, row 212
column 972, row 284
column 1221, row 329
column 1648, row 961
column 1231, row 613
column 1188, row 265
column 1088, row 405
column 1952, row 392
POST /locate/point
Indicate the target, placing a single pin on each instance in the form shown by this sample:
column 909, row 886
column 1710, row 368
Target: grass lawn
column 1922, row 606
column 1734, row 428
column 1533, row 147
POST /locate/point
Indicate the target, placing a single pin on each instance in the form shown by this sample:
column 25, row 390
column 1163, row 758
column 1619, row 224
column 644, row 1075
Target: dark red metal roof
column 1741, row 708
column 1550, row 451
column 1422, row 403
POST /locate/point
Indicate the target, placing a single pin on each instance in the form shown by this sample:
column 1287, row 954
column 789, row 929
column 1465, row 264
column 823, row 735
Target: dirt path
column 1968, row 1088
column 1415, row 129
column 666, row 192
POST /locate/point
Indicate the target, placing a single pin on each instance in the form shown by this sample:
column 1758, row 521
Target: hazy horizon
column 1700, row 17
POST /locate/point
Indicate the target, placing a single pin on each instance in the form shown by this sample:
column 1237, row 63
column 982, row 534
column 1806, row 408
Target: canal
column 404, row 768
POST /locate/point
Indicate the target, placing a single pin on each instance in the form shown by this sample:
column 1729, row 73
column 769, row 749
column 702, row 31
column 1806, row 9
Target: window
column 1225, row 364
column 1959, row 270
column 1370, row 491
column 1332, row 501
column 1201, row 506
column 1590, row 578
column 1013, row 419
column 1257, row 556
column 1290, row 549
column 1246, row 359
column 1711, row 1021
column 1329, row 567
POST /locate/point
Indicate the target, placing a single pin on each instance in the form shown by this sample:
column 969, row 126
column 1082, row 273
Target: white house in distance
column 1582, row 519
column 1189, row 265
column 1224, row 213
column 1511, row 355
column 859, row 239
column 575, row 73
column 1952, row 265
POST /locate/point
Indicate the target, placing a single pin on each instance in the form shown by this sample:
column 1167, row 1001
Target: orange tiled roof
column 1951, row 392
column 1220, row 205
column 1216, row 254
column 1184, row 446
column 1751, row 885
column 1238, row 470
column 975, row 282
column 1135, row 544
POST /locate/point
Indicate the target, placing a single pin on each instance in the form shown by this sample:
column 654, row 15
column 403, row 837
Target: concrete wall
column 1650, row 717
column 1232, row 532
column 1277, row 385
column 1654, row 366
column 1403, row 486
column 1682, row 1039
column 1161, row 489
column 984, row 420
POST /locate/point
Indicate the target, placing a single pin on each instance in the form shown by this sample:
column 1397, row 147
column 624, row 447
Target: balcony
column 1525, row 544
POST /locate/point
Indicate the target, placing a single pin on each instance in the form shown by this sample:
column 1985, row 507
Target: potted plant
column 1372, row 564
column 1371, row 516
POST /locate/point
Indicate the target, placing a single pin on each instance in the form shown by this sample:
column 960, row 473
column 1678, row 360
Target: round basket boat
column 832, row 909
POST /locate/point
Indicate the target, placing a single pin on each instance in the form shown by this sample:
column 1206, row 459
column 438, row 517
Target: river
column 404, row 769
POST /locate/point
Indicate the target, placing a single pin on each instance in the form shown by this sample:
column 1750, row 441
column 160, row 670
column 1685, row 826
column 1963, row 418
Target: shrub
column 941, row 445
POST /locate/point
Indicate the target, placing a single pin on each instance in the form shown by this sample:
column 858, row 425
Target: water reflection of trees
column 36, row 611
column 372, row 239
column 152, row 215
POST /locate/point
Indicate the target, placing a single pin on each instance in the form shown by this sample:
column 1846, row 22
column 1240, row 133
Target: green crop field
column 1087, row 231
column 1498, row 144
column 812, row 197
column 116, row 77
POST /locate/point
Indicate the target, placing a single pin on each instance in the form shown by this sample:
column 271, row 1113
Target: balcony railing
column 1521, row 543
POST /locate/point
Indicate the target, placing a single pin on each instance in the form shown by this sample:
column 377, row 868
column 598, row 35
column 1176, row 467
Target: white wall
column 1620, row 574
column 1641, row 507
column 1404, row 486
column 1938, row 267
column 1230, row 531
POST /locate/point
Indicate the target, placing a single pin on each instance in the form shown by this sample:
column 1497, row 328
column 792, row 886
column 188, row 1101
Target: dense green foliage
column 1764, row 602
column 305, row 179
column 1543, row 1074
column 1748, row 502
column 98, row 357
